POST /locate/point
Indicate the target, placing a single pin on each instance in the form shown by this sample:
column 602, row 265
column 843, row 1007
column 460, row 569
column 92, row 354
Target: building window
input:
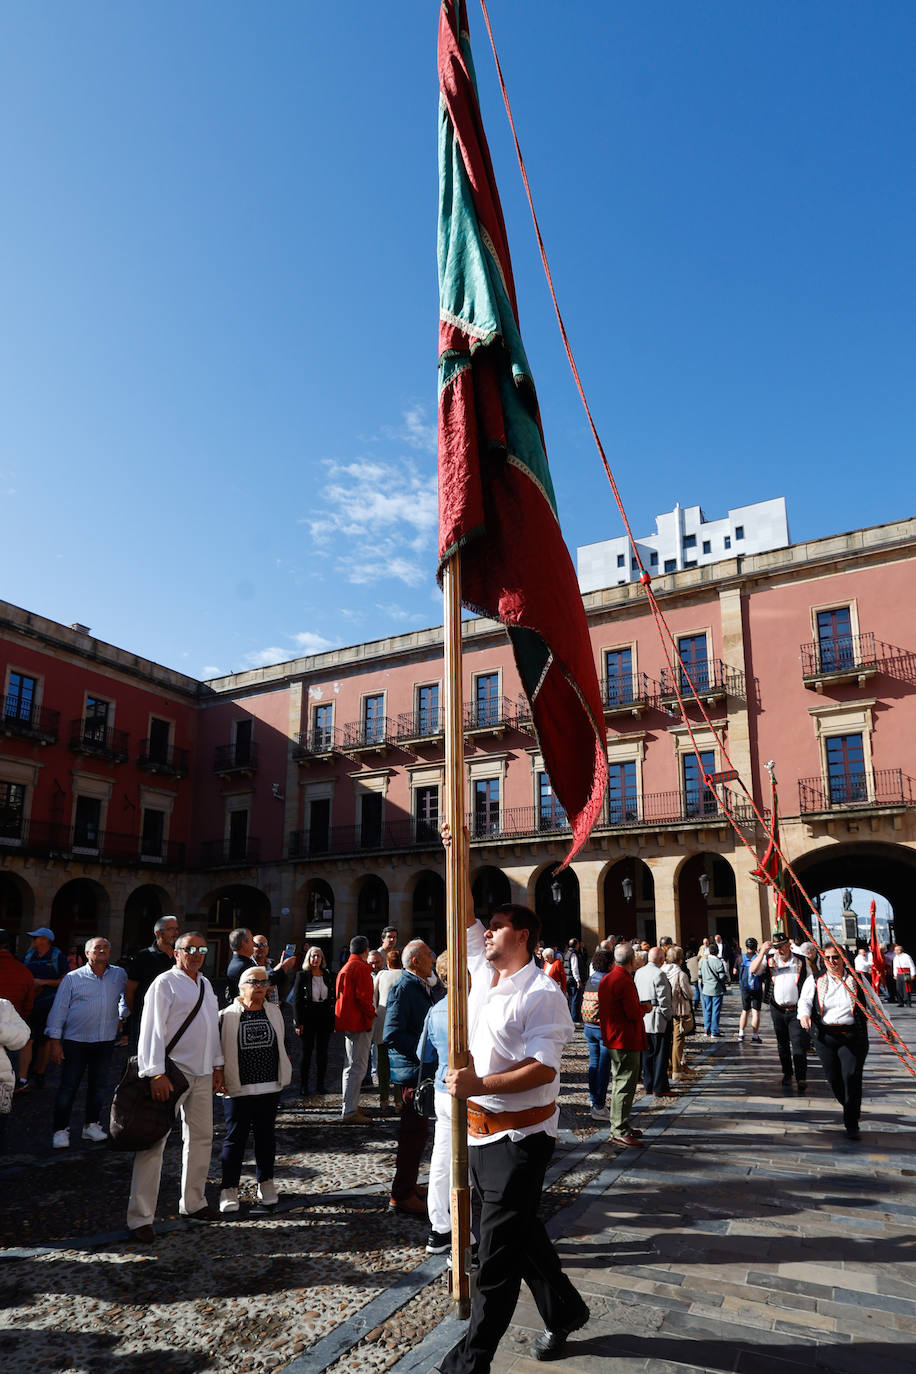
column 670, row 565
column 846, row 777
column 426, row 813
column 96, row 719
column 653, row 559
column 160, row 732
column 834, row 639
column 622, row 803
column 690, row 541
column 634, row 564
column 153, row 834
column 319, row 834
column 727, row 541
column 694, row 653
column 486, row 699
column 551, row 815
column 374, row 718
column 707, row 546
column 243, row 744
column 12, row 810
column 20, row 697
column 618, row 680
column 690, row 562
column 370, row 820
column 699, row 800
column 429, row 721
column 621, row 560
column 87, row 823
column 739, row 531
column 238, row 834
column 323, row 725
column 486, row 806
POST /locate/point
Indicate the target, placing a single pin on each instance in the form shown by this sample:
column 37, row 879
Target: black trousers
column 903, row 997
column 842, row 1054
column 514, row 1245
column 655, row 1060
column 791, row 1041
column 316, row 1034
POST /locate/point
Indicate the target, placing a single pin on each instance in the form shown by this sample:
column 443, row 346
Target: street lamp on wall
column 627, row 885
column 556, row 891
column 704, row 885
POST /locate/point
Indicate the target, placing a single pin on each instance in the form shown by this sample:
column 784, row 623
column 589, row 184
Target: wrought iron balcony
column 230, row 853
column 89, row 736
column 842, row 658
column 626, row 694
column 171, row 763
column 712, row 680
column 45, row 838
column 491, row 716
column 414, row 727
column 391, row 836
column 235, row 758
column 25, row 720
column 321, row 743
column 647, row 812
column 369, row 734
column 866, row 790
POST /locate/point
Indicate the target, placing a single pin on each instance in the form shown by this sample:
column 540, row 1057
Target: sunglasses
column 833, row 958
column 190, row 949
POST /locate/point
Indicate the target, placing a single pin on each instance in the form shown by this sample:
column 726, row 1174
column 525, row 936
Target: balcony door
column 834, row 639
column 846, row 778
column 20, row 697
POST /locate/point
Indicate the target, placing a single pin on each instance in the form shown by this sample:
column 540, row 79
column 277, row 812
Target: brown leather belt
column 482, row 1122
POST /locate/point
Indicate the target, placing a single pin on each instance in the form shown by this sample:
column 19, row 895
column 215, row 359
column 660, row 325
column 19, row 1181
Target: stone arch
column 628, row 885
column 706, row 898
column 316, row 904
column 428, row 909
column 142, row 910
column 490, row 888
column 17, row 904
column 887, row 869
column 79, row 909
column 225, row 909
column 372, row 908
column 556, row 901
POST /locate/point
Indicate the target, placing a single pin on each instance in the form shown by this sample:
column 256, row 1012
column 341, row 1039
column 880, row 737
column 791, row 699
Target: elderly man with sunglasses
column 831, row 1008
column 181, row 993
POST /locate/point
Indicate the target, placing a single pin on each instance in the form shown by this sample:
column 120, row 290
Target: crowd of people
column 636, row 1005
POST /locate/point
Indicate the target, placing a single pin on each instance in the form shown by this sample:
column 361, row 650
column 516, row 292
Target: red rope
column 681, row 674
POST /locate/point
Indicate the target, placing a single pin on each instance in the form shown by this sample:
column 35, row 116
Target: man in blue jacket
column 408, row 1002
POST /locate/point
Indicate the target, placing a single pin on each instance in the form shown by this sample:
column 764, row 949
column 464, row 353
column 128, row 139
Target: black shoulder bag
column 137, row 1120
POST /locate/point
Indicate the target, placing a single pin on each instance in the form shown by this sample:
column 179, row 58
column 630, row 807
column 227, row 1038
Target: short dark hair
column 521, row 918
column 359, row 944
column 601, row 961
column 237, row 938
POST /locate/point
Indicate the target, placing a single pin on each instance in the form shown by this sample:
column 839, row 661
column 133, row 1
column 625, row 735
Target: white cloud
column 261, row 658
column 308, row 642
column 209, row 670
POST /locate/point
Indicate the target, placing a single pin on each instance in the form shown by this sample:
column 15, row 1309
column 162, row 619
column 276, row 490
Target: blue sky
column 218, row 292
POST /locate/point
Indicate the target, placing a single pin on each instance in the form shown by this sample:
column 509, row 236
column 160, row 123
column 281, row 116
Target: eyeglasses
column 254, row 983
column 190, row 949
column 261, row 944
column 833, row 958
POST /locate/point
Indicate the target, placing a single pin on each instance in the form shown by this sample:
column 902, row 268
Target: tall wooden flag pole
column 456, row 888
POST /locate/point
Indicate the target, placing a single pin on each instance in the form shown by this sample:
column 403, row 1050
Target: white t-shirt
column 785, row 981
column 903, row 964
column 863, row 961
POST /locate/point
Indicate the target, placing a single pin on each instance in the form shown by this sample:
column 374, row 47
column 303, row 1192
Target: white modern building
column 684, row 538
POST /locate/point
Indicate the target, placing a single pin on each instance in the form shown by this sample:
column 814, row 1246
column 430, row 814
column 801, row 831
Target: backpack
column 750, row 982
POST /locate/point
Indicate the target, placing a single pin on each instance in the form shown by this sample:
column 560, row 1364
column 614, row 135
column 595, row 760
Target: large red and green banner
column 497, row 509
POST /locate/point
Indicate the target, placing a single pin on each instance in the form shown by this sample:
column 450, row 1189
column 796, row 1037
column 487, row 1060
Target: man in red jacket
column 620, row 1014
column 354, row 1014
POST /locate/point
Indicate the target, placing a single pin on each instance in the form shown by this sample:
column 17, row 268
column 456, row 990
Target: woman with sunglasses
column 831, row 1008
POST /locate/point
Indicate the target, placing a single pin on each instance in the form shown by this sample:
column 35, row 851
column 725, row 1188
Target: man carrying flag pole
column 501, row 554
column 770, row 866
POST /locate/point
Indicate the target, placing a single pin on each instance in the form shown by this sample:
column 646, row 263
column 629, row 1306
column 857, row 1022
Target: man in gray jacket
column 652, row 986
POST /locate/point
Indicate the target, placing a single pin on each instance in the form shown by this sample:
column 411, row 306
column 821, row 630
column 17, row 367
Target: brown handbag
column 137, row 1120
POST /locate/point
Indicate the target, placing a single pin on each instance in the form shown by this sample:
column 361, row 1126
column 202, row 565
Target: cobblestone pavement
column 750, row 1236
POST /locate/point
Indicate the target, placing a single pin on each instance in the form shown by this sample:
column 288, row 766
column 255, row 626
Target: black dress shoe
column 142, row 1235
column 551, row 1344
column 853, row 1133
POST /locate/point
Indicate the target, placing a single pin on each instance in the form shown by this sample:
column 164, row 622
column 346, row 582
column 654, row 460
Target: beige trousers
column 196, row 1111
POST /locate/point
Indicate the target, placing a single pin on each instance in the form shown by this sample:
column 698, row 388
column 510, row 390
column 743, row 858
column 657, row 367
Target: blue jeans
column 712, row 1010
column 257, row 1113
column 81, row 1056
column 599, row 1066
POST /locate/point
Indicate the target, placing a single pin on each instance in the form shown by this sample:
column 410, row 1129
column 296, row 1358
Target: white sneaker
column 229, row 1200
column 741, row 1035
column 93, row 1131
column 267, row 1193
column 61, row 1140
column 598, row 1113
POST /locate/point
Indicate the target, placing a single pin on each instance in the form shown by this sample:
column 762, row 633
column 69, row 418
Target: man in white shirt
column 198, row 1053
column 653, row 987
column 519, row 1023
column 904, row 973
column 830, row 1007
column 783, row 973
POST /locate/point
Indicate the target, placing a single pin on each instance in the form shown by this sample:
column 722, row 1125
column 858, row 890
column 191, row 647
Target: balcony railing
column 626, row 692
column 88, row 736
column 839, row 657
column 44, row 838
column 230, row 853
column 369, row 734
column 400, row 834
column 498, row 713
column 868, row 789
column 316, row 743
column 172, row 763
column 28, row 721
column 710, row 679
column 426, row 724
column 235, row 758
